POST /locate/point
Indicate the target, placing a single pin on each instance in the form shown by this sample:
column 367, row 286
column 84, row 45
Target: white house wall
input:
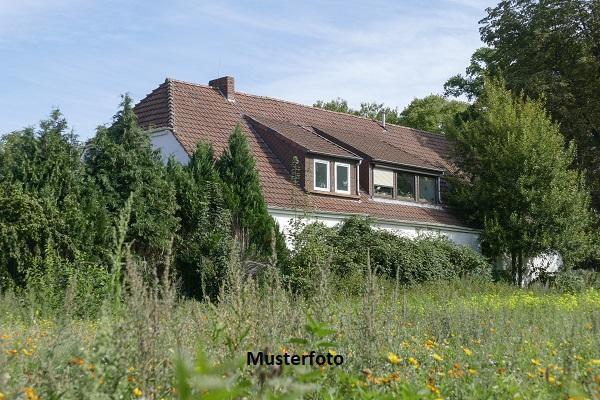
column 165, row 141
column 467, row 237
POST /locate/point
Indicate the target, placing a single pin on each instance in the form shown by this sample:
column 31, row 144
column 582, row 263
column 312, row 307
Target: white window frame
column 318, row 161
column 341, row 164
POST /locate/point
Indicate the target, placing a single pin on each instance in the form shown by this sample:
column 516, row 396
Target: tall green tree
column 371, row 110
column 518, row 185
column 252, row 224
column 432, row 113
column 548, row 49
column 203, row 242
column 43, row 199
column 121, row 163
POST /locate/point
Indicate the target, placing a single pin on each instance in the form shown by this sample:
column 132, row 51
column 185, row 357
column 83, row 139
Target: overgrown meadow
column 456, row 339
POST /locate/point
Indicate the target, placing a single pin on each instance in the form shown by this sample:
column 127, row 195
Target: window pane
column 321, row 175
column 342, row 178
column 427, row 188
column 405, row 185
column 383, row 191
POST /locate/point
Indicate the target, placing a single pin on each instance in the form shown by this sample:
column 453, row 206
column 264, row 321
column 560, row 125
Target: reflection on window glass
column 427, row 188
column 383, row 191
column 405, row 185
column 321, row 172
column 342, row 178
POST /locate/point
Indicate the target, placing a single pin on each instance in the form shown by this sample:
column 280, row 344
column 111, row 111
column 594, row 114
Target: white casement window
column 342, row 178
column 321, row 175
column 383, row 182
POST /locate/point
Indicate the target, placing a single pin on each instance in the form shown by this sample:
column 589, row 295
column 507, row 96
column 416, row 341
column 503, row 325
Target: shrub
column 346, row 251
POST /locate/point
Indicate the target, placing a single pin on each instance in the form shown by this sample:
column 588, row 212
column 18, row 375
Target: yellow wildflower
column 393, row 358
column 551, row 380
column 535, row 361
column 413, row 361
column 30, row 394
column 2, row 396
column 433, row 389
column 12, row 352
column 77, row 361
column 26, row 352
column 472, row 371
column 130, row 369
column 332, row 352
column 467, row 351
column 430, row 344
column 437, row 357
column 137, row 392
column 595, row 361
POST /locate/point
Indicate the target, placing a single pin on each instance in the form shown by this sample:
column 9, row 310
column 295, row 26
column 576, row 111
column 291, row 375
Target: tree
column 252, row 224
column 371, row 110
column 432, row 113
column 338, row 105
column 121, row 163
column 547, row 49
column 203, row 242
column 517, row 183
column 43, row 200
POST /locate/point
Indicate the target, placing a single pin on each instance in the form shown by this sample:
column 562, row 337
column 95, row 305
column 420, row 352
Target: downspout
column 358, row 177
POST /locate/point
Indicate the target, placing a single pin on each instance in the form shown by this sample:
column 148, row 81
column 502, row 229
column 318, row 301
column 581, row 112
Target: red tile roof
column 198, row 112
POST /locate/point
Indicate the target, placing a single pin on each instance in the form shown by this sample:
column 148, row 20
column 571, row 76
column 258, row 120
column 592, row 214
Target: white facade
column 165, row 141
column 458, row 235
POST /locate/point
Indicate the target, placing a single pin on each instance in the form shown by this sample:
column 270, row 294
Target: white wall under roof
column 165, row 141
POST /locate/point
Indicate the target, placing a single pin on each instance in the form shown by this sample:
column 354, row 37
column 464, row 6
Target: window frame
column 335, row 172
column 417, row 175
column 327, row 163
column 393, row 187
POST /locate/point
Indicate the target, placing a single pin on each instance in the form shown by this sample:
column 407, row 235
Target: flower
column 30, row 394
column 595, row 361
column 2, row 396
column 467, row 351
column 26, row 352
column 551, row 380
column 413, row 361
column 137, row 392
column 77, row 361
column 332, row 352
column 393, row 358
column 12, row 352
column 535, row 361
column 433, row 388
column 437, row 357
column 430, row 344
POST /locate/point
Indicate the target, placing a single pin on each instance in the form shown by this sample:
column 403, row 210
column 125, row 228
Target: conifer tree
column 252, row 224
column 120, row 161
column 203, row 242
column 518, row 184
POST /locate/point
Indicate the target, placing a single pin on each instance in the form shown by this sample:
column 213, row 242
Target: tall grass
column 456, row 339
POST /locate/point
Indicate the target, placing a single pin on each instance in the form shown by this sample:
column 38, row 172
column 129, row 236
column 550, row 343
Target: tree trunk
column 513, row 266
column 521, row 268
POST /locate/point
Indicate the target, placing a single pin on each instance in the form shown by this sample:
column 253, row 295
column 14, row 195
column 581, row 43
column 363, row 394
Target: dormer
column 325, row 168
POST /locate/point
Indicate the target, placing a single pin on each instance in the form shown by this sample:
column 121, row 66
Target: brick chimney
column 225, row 85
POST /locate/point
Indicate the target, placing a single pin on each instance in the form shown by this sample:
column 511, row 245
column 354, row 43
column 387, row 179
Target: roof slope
column 200, row 113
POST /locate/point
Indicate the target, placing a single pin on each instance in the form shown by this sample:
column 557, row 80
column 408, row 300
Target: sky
column 82, row 55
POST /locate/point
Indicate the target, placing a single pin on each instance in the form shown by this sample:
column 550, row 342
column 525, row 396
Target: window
column 342, row 178
column 321, row 178
column 405, row 185
column 402, row 185
column 427, row 188
column 383, row 182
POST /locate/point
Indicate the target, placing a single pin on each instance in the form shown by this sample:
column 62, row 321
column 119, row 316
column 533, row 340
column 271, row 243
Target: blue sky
column 82, row 55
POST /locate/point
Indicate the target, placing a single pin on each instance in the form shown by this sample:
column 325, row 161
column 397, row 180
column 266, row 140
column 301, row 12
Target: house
column 348, row 165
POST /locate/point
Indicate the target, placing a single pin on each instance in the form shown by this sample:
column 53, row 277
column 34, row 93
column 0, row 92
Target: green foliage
column 203, row 241
column 432, row 113
column 518, row 184
column 345, row 252
column 120, row 161
column 550, row 50
column 252, row 224
column 368, row 110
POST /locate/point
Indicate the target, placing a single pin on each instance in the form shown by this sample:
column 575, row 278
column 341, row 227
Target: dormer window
column 342, row 178
column 321, row 175
column 404, row 185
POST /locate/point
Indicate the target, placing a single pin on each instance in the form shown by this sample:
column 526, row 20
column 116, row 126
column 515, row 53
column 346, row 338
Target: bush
column 573, row 281
column 347, row 250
